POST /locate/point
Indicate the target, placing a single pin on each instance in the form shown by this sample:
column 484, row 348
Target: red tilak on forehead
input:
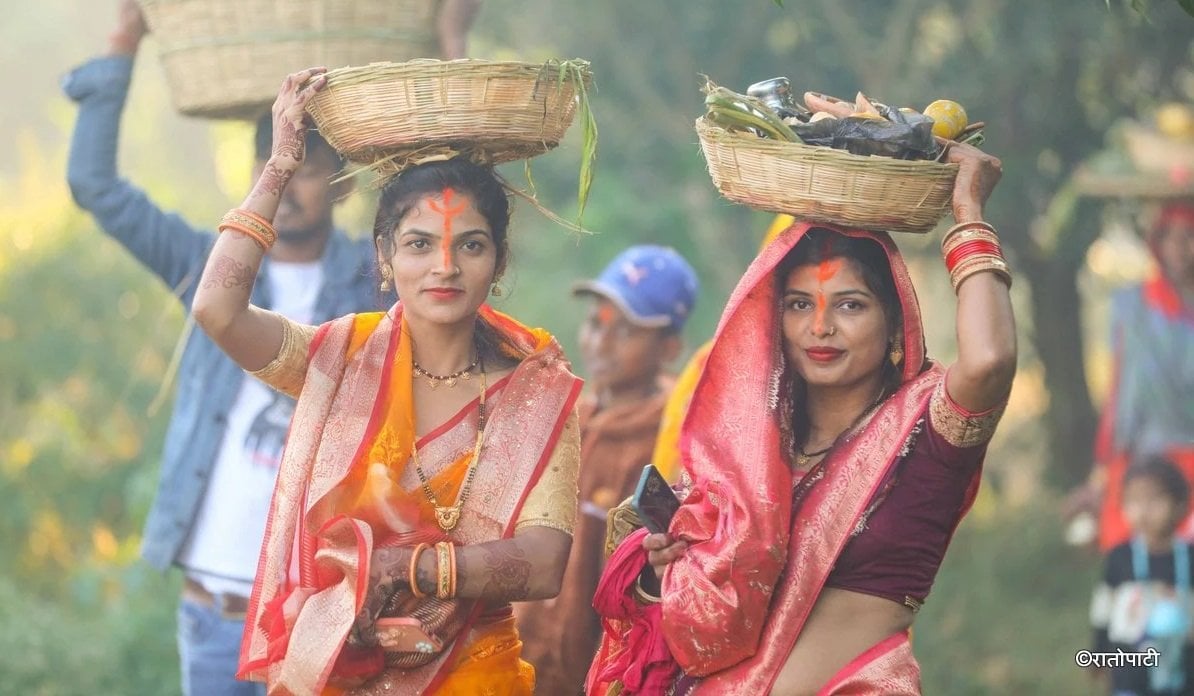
column 449, row 213
column 825, row 271
column 606, row 314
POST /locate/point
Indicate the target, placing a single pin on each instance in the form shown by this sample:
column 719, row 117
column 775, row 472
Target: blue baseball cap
column 653, row 286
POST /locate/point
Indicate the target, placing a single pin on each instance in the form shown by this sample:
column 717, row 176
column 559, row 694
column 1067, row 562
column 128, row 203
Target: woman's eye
column 851, row 305
column 418, row 244
column 473, row 245
column 801, row 305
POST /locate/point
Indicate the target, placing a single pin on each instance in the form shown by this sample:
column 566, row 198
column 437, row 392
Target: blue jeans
column 208, row 648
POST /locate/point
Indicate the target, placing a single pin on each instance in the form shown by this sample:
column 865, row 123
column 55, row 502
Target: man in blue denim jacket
column 226, row 433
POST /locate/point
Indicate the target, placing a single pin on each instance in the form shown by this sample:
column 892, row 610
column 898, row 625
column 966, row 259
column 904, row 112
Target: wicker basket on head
column 396, row 114
column 227, row 58
column 827, row 185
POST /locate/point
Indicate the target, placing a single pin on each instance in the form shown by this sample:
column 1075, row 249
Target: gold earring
column 897, row 353
column 385, row 279
column 496, row 290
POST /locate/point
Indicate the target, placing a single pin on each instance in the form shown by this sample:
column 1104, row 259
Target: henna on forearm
column 499, row 571
column 228, row 273
column 272, row 181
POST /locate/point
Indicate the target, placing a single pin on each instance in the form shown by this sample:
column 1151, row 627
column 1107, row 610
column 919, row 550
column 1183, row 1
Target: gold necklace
column 803, row 458
column 447, row 517
column 434, row 380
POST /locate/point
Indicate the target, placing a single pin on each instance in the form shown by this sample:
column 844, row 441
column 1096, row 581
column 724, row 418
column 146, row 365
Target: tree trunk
column 1057, row 337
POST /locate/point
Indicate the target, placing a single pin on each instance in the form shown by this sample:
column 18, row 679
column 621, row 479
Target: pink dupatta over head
column 735, row 603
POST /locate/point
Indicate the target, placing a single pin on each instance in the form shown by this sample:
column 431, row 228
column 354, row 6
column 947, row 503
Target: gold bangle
column 981, row 264
column 972, row 225
column 959, row 238
column 443, row 570
column 413, row 573
column 452, row 574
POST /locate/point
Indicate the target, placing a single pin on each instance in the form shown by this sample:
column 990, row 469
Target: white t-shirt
column 222, row 549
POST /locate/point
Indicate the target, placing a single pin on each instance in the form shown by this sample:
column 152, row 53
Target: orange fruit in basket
column 949, row 118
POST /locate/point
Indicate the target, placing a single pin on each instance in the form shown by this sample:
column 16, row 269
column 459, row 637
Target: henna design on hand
column 228, row 273
column 289, row 140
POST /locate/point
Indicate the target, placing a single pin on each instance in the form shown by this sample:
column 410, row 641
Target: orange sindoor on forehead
column 449, row 212
column 606, row 314
column 826, row 270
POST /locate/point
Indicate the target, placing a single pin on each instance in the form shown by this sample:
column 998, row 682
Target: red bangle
column 977, row 247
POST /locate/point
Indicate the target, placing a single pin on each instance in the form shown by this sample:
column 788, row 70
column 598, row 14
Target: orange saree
column 761, row 548
column 344, row 489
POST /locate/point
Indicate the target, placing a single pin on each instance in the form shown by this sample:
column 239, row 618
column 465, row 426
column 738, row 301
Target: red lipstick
column 444, row 293
column 823, row 354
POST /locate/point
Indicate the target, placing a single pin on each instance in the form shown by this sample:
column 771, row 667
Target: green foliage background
column 87, row 337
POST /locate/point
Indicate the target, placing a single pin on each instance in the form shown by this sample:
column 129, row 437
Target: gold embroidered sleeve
column 619, row 524
column 288, row 370
column 552, row 502
column 958, row 427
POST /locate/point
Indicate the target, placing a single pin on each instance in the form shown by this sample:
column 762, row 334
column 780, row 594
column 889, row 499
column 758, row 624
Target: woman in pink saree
column 827, row 462
column 429, row 475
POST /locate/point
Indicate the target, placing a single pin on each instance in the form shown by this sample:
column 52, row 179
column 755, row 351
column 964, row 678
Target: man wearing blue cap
column 640, row 303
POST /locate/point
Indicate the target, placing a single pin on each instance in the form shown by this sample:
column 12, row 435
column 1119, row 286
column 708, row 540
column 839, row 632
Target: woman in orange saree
column 826, row 462
column 429, row 477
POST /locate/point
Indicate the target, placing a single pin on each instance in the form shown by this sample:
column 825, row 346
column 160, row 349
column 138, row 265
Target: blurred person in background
column 1151, row 407
column 225, row 436
column 1144, row 600
column 639, row 305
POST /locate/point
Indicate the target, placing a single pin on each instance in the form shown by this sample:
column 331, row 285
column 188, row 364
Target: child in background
column 1145, row 600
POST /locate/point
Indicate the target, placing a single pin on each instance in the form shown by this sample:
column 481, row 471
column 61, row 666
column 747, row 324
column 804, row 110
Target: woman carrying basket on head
column 429, row 478
column 827, row 463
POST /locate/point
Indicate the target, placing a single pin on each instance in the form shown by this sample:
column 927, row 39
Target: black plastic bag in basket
column 899, row 135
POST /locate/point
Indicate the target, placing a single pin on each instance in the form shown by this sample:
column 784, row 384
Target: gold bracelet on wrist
column 443, row 555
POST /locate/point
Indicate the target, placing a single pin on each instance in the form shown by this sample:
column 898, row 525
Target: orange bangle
column 248, row 232
column 251, row 224
column 412, row 574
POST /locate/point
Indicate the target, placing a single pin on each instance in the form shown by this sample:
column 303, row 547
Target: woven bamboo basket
column 227, row 58
column 493, row 112
column 827, row 185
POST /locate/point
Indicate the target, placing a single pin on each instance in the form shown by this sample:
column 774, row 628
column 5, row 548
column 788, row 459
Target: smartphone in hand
column 654, row 501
